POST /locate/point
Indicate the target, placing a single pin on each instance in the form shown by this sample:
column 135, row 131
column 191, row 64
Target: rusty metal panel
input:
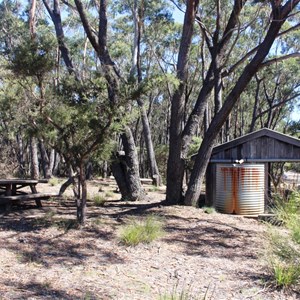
column 240, row 188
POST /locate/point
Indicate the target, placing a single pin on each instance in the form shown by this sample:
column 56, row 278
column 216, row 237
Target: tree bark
column 64, row 50
column 126, row 170
column 20, row 155
column 81, row 201
column 35, row 174
column 51, row 164
column 175, row 168
column 44, row 159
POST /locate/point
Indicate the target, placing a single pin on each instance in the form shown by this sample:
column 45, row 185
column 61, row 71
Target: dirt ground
column 204, row 256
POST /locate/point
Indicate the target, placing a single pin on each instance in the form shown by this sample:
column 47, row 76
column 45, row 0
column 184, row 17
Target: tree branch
column 279, row 59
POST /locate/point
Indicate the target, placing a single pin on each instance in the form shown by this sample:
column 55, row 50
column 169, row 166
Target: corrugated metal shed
column 262, row 146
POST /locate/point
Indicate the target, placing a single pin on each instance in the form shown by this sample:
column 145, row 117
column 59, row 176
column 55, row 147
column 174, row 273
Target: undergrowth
column 283, row 255
column 142, row 231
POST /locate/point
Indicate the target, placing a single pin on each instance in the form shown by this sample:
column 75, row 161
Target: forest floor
column 203, row 256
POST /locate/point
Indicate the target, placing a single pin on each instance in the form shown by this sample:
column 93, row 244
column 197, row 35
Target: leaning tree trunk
column 149, row 145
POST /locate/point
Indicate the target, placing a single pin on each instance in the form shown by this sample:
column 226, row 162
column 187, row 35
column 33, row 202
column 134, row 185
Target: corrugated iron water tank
column 240, row 188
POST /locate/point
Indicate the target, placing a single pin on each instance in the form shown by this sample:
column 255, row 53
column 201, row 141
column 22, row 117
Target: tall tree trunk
column 175, row 168
column 35, row 174
column 136, row 68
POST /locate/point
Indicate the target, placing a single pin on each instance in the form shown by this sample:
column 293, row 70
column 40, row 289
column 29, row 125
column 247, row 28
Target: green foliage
column 33, row 57
column 144, row 231
column 194, row 146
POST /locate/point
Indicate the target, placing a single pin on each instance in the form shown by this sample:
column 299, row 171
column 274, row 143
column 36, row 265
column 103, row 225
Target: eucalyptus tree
column 222, row 39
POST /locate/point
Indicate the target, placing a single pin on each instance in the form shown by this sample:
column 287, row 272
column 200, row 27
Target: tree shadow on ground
column 44, row 290
column 49, row 239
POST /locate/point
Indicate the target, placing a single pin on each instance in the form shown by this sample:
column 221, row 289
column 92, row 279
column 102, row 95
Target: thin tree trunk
column 35, row 174
column 44, row 159
column 149, row 146
column 51, row 164
column 81, row 201
column 136, row 68
column 20, row 155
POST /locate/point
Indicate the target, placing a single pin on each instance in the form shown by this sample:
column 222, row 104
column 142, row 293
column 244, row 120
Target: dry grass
column 218, row 255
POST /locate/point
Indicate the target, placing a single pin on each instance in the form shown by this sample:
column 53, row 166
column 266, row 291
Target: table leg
column 34, row 191
column 8, row 192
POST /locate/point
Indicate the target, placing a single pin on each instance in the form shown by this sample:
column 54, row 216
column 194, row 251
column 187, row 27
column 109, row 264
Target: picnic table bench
column 12, row 190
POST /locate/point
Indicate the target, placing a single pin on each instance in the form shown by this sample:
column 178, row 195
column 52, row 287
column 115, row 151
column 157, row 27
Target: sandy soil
column 205, row 256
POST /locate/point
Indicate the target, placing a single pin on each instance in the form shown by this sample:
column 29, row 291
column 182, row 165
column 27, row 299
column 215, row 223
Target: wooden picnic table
column 12, row 189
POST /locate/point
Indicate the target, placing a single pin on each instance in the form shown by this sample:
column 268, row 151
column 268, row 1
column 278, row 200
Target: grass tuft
column 285, row 275
column 99, row 200
column 144, row 231
column 109, row 194
column 67, row 224
column 209, row 210
column 53, row 181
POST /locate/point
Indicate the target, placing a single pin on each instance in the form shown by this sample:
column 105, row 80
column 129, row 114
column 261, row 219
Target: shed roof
column 262, row 145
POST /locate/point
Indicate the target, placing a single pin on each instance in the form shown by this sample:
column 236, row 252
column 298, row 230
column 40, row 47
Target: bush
column 141, row 231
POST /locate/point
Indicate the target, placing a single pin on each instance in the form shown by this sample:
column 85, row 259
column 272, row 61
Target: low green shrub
column 144, row 231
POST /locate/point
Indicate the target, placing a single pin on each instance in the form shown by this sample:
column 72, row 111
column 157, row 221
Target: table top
column 18, row 181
